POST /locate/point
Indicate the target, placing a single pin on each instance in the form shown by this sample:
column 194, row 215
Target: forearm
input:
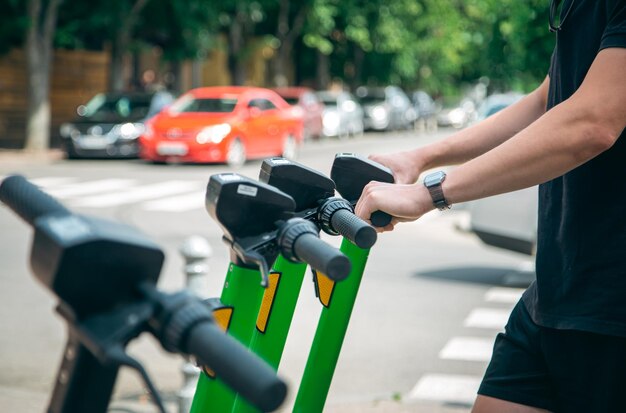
column 486, row 135
column 562, row 139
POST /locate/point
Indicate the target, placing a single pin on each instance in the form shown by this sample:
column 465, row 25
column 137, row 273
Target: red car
column 223, row 124
column 307, row 105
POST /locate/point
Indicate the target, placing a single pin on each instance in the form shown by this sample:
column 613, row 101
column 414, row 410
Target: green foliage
column 437, row 45
column 13, row 24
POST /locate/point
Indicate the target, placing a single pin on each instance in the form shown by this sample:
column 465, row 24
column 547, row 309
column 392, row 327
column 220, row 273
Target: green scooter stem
column 275, row 316
column 329, row 336
column 243, row 293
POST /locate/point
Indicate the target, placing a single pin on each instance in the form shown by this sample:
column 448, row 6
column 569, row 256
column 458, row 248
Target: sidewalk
column 19, row 156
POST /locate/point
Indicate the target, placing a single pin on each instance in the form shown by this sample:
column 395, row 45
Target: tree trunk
column 287, row 34
column 39, row 38
column 236, row 66
column 121, row 41
column 323, row 71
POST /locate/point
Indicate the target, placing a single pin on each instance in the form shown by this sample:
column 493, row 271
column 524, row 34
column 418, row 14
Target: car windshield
column 188, row 104
column 291, row 100
column 104, row 107
column 328, row 100
column 369, row 99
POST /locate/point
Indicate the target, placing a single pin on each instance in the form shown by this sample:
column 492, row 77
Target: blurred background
column 57, row 54
column 181, row 90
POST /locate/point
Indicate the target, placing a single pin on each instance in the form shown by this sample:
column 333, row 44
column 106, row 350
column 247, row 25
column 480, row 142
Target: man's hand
column 406, row 166
column 404, row 202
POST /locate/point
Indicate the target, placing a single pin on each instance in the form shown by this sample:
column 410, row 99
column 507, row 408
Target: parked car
column 457, row 116
column 305, row 104
column 228, row 124
column 506, row 221
column 386, row 108
column 426, row 110
column 496, row 102
column 509, row 220
column 110, row 124
column 343, row 115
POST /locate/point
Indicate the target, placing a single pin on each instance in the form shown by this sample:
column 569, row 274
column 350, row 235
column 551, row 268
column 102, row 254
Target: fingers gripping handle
column 353, row 228
column 236, row 366
column 27, row 200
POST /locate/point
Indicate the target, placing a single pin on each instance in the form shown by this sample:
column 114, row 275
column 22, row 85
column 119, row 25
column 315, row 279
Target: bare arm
column 470, row 142
column 567, row 136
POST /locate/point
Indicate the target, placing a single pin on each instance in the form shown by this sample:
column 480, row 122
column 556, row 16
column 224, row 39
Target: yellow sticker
column 222, row 316
column 324, row 288
column 268, row 302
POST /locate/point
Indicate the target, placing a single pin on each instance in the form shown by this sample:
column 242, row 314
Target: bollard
column 195, row 251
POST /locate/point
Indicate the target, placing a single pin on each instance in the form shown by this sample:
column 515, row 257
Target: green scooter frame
column 351, row 173
column 252, row 306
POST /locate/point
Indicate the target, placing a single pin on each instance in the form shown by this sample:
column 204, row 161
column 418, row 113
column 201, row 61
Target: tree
column 42, row 24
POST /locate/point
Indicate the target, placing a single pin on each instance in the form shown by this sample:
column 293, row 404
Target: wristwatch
column 433, row 183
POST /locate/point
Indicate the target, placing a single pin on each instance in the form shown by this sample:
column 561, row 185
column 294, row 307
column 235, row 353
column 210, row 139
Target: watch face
column 435, row 178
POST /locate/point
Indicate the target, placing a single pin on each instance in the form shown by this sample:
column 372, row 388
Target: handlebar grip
column 321, row 256
column 27, row 200
column 380, row 219
column 241, row 370
column 353, row 228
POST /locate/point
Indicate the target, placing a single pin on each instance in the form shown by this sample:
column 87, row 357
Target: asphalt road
column 431, row 301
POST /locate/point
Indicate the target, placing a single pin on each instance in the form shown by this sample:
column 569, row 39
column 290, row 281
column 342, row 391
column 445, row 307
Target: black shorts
column 564, row 371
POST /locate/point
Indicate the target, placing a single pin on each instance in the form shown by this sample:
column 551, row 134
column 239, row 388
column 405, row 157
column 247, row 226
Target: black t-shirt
column 581, row 242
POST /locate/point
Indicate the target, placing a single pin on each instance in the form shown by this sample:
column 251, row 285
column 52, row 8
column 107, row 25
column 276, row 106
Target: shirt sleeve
column 615, row 33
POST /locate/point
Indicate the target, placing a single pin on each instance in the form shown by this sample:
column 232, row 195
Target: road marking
column 141, row 193
column 180, row 203
column 487, row 318
column 90, row 187
column 46, row 183
column 467, row 349
column 504, row 295
column 459, row 389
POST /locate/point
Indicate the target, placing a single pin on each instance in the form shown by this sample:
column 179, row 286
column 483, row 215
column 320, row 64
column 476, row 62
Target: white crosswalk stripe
column 467, row 349
column 90, row 187
column 180, row 203
column 487, row 318
column 136, row 194
column 460, row 389
column 504, row 295
column 47, row 183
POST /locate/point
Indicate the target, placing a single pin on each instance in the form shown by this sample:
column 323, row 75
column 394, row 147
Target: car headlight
column 214, row 134
column 331, row 120
column 128, row 130
column 457, row 115
column 67, row 130
column 379, row 113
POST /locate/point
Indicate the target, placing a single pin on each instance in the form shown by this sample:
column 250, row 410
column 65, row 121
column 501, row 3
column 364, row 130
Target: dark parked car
column 386, row 108
column 110, row 124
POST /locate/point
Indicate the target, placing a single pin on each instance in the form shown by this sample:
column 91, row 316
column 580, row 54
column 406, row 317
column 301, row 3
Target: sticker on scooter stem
column 324, row 288
column 268, row 302
column 222, row 315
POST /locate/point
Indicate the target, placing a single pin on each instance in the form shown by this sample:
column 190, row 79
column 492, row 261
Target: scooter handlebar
column 244, row 372
column 321, row 256
column 353, row 228
column 27, row 200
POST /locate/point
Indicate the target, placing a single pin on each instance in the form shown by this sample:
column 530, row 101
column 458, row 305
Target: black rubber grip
column 240, row 369
column 353, row 228
column 380, row 219
column 322, row 256
column 27, row 200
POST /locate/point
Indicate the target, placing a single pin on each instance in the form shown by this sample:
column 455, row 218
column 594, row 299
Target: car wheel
column 236, row 155
column 290, row 147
